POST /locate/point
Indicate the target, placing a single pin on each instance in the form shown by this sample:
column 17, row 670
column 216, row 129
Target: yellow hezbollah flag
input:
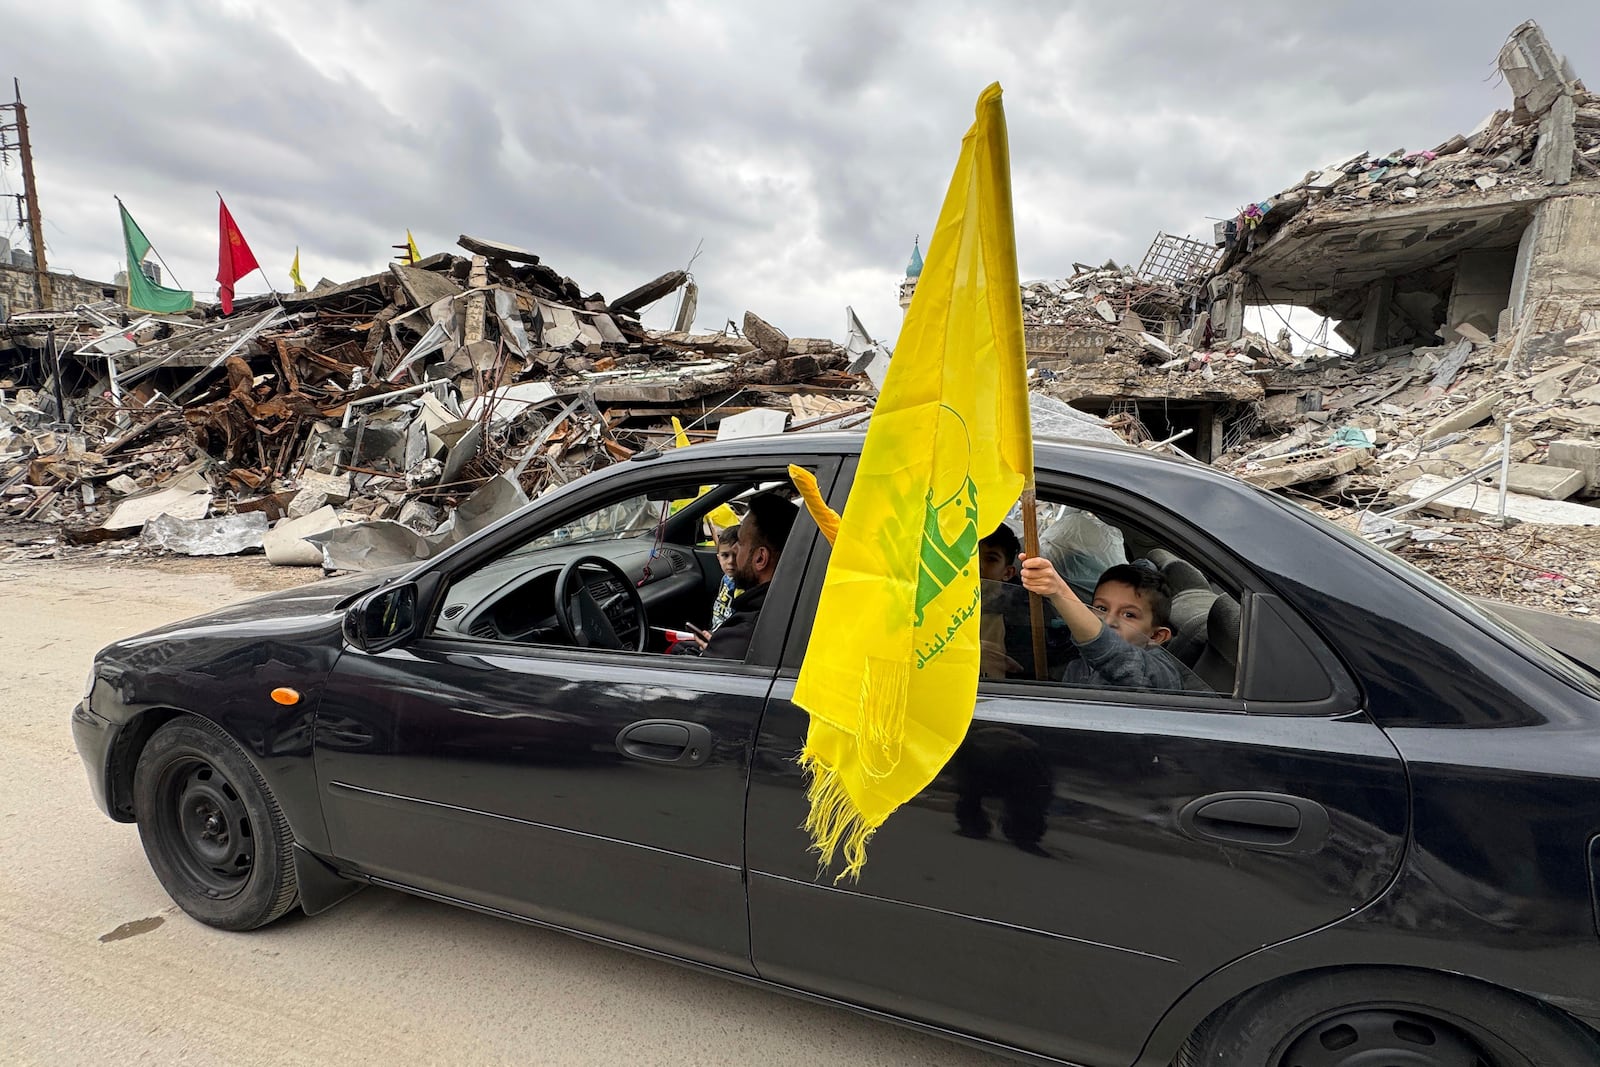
column 890, row 676
column 411, row 248
column 721, row 515
column 294, row 272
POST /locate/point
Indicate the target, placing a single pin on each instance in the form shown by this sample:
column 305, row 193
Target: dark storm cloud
column 804, row 145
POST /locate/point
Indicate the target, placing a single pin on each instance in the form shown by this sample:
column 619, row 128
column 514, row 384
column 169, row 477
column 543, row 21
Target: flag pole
column 176, row 284
column 1030, row 546
column 263, row 272
column 259, row 268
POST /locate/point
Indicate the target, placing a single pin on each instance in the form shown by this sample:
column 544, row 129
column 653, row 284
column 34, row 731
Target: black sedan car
column 1365, row 832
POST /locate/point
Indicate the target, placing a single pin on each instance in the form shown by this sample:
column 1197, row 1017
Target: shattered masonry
column 423, row 402
column 1466, row 281
column 389, row 415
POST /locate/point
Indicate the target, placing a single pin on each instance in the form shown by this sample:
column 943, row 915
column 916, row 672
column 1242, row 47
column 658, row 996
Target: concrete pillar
column 1375, row 317
column 1562, row 279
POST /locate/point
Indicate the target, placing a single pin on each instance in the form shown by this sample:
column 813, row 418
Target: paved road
column 97, row 966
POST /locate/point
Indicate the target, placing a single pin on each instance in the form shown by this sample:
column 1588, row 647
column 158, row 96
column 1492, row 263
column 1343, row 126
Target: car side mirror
column 383, row 619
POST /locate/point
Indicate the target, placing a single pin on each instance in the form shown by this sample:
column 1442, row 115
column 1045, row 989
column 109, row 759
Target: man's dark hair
column 1005, row 540
column 774, row 517
column 1148, row 583
column 727, row 536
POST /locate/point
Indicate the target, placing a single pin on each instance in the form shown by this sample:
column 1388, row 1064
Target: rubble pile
column 1463, row 428
column 432, row 397
column 1108, row 333
column 1551, row 135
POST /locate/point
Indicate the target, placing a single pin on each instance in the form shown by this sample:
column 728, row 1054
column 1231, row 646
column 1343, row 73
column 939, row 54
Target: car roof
column 1090, row 458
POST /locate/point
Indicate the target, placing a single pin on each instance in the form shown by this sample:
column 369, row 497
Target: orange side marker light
column 284, row 695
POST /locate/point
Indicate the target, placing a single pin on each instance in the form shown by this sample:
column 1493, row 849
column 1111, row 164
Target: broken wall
column 1561, row 283
column 66, row 291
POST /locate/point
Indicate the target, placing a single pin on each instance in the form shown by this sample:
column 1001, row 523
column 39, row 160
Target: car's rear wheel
column 211, row 828
column 1392, row 1017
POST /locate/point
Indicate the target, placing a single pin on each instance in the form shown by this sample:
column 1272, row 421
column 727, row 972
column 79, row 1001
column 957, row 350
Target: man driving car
column 762, row 533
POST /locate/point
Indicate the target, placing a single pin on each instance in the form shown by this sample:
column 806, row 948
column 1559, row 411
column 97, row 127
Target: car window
column 631, row 517
column 1166, row 624
column 649, row 555
column 1198, row 654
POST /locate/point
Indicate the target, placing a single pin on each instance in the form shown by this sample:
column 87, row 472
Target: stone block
column 305, row 502
column 336, row 487
column 1582, row 456
column 1544, row 481
column 1466, row 418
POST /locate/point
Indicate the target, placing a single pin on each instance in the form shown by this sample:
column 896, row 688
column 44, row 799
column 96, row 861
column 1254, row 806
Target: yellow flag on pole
column 294, row 272
column 411, row 247
column 890, row 675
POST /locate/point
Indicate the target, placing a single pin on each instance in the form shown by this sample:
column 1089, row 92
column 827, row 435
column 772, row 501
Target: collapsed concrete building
column 1465, row 279
column 1497, row 230
column 1132, row 346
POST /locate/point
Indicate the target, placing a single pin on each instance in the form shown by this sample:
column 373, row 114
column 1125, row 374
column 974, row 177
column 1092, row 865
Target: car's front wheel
column 211, row 828
column 1359, row 1018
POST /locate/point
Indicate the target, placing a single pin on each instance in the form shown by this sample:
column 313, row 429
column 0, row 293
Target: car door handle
column 1266, row 822
column 683, row 744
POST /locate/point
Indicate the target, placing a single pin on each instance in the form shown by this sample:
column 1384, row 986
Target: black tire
column 1355, row 1017
column 211, row 828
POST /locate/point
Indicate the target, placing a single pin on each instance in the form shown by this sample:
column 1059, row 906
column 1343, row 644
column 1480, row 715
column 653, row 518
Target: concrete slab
column 1482, row 501
column 1544, row 481
column 1311, row 470
column 1558, row 371
column 1587, row 419
column 1583, row 456
column 1465, row 418
column 284, row 545
column 1548, row 390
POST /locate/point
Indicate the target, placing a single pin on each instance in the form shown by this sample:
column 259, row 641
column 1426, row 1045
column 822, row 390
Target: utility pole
column 30, row 193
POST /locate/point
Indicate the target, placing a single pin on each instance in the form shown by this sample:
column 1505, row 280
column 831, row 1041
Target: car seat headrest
column 1222, row 628
column 1182, row 575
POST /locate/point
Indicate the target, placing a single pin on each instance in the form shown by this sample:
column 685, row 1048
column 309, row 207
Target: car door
column 597, row 790
column 1088, row 854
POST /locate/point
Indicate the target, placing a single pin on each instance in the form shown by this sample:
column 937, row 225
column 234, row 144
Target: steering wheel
column 598, row 606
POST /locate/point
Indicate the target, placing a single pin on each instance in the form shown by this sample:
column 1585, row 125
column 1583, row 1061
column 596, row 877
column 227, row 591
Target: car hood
column 303, row 601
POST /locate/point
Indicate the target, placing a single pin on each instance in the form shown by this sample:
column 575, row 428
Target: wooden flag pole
column 1030, row 546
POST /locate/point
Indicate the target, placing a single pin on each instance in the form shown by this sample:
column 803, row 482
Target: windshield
column 632, row 517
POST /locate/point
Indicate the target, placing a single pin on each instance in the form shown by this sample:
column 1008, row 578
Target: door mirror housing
column 389, row 616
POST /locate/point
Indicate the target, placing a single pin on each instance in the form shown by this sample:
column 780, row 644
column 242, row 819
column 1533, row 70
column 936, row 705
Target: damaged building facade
column 1134, row 347
column 1497, row 231
column 19, row 286
column 1464, row 278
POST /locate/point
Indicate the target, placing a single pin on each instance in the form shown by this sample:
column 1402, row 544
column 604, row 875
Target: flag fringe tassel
column 836, row 826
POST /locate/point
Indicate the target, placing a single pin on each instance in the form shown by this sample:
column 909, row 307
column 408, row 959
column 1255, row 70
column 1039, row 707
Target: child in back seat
column 1120, row 633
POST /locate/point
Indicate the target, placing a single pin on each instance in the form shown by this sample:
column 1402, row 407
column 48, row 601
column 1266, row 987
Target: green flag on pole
column 144, row 294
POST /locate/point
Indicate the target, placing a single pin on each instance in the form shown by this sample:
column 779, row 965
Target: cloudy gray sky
column 803, row 144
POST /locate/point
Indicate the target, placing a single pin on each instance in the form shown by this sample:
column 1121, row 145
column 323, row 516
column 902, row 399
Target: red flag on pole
column 234, row 258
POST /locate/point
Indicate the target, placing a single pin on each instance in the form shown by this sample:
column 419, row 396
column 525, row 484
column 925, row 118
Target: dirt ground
column 100, row 967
